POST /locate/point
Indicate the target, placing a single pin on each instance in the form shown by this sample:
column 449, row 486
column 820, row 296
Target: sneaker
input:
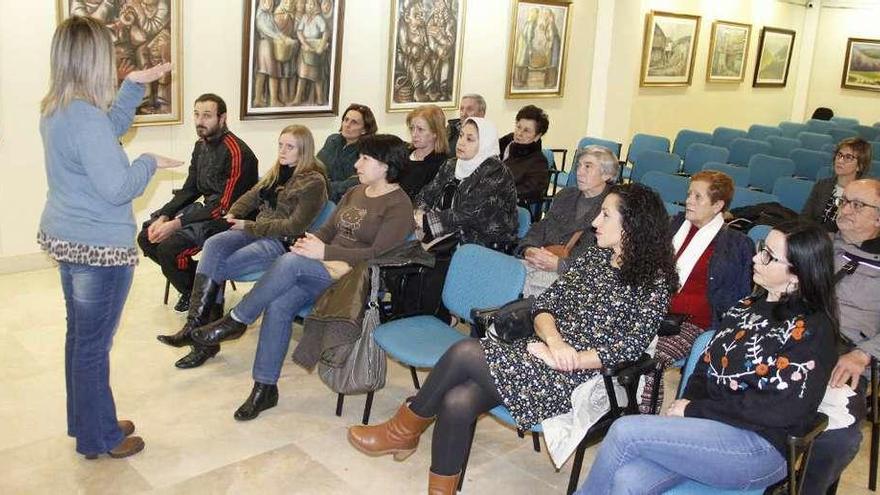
column 182, row 305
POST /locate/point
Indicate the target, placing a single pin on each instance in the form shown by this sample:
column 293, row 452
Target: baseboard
column 25, row 263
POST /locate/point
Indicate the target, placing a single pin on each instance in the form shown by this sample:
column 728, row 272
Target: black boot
column 201, row 302
column 197, row 356
column 216, row 312
column 223, row 329
column 262, row 397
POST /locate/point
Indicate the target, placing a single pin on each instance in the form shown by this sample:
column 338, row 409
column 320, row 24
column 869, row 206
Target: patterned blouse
column 84, row 254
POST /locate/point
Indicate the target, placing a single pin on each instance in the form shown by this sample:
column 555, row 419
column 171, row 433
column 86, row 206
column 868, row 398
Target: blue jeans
column 651, row 454
column 94, row 297
column 234, row 253
column 292, row 283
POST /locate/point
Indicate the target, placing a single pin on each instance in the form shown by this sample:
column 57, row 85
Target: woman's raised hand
column 149, row 75
column 165, row 162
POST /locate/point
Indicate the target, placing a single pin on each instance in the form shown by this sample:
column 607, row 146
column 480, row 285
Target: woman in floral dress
column 602, row 311
column 761, row 379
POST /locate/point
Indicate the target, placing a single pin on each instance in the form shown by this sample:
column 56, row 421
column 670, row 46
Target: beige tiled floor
column 185, row 417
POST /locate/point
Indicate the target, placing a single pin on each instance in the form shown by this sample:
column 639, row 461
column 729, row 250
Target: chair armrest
column 628, row 375
column 818, row 426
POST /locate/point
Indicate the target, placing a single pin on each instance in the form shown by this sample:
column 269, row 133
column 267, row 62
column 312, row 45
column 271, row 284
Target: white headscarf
column 488, row 147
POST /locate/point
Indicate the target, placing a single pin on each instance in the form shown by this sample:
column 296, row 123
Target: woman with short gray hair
column 564, row 233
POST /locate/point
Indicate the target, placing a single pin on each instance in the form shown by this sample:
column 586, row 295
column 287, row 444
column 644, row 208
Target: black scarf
column 269, row 193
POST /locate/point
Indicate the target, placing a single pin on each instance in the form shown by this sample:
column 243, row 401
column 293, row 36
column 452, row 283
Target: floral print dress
column 593, row 309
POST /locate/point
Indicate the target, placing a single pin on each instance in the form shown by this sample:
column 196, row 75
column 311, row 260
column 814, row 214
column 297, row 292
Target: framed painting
column 774, row 58
column 669, row 49
column 145, row 33
column 290, row 58
column 538, row 48
column 861, row 69
column 728, row 51
column 424, row 58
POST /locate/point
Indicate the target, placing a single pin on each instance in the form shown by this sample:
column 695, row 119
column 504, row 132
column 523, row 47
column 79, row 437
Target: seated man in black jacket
column 222, row 168
column 471, row 105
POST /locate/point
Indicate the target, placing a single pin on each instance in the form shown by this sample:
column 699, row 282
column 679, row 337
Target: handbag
column 365, row 367
column 671, row 324
column 563, row 251
column 505, row 324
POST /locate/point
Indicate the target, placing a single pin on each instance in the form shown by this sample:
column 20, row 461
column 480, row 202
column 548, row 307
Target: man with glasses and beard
column 222, row 168
column 857, row 264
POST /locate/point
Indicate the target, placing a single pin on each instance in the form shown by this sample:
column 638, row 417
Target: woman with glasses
column 761, row 378
column 852, row 161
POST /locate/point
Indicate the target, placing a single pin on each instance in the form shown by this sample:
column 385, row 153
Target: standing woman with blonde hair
column 286, row 201
column 87, row 224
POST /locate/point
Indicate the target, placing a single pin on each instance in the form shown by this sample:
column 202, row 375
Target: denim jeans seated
column 233, row 253
column 292, row 283
column 651, row 454
column 94, row 297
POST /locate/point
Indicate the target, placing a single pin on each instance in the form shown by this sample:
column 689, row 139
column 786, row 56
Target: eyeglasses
column 847, row 157
column 855, row 204
column 765, row 256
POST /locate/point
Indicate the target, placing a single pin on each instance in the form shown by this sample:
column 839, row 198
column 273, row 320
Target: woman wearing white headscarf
column 472, row 195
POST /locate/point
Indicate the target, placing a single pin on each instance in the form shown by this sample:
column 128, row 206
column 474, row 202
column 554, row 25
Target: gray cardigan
column 91, row 183
column 814, row 209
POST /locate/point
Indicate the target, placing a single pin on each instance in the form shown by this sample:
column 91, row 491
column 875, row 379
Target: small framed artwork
column 774, row 58
column 861, row 70
column 424, row 58
column 538, row 48
column 145, row 33
column 669, row 49
column 290, row 58
column 728, row 51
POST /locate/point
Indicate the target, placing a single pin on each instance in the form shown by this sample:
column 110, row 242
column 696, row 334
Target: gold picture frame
column 538, row 48
column 669, row 49
column 162, row 104
column 728, row 52
column 868, row 77
column 428, row 69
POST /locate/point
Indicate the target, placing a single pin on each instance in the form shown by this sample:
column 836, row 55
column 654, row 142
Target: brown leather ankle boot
column 439, row 484
column 399, row 435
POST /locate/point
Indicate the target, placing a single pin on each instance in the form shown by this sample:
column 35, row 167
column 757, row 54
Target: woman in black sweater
column 521, row 154
column 429, row 148
column 761, row 378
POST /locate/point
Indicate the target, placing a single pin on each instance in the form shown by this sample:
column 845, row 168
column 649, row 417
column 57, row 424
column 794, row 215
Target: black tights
column 457, row 391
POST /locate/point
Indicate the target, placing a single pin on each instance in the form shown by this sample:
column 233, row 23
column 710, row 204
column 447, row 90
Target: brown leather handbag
column 563, row 251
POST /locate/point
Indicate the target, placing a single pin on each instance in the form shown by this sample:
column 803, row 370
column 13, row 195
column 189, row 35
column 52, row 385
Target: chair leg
column 339, row 400
column 872, row 469
column 415, row 377
column 232, row 283
column 368, row 406
column 467, row 456
column 167, row 290
column 520, row 433
column 536, row 442
column 832, row 490
column 576, row 468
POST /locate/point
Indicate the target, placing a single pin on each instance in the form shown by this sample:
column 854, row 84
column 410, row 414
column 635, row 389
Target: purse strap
column 574, row 239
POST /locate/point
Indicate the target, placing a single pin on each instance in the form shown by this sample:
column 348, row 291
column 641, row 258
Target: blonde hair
column 307, row 161
column 436, row 120
column 82, row 66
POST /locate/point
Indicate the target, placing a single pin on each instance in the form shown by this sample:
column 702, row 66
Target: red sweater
column 693, row 298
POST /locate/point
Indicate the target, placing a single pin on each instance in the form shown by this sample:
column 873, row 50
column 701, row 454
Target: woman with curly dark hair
column 604, row 310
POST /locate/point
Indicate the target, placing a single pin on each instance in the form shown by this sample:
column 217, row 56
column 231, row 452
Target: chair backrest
column 746, row 197
column 839, row 134
column 643, row 142
column 587, row 141
column 649, row 160
column 762, row 132
column 868, row 133
column 759, row 232
column 742, row 150
column 814, row 140
column 724, row 136
column 808, row 162
column 697, row 350
column 525, row 221
column 765, row 169
column 820, row 126
column 782, row 146
column 792, row 192
column 324, row 215
column 823, row 173
column 672, row 188
column 673, row 209
column 792, row 129
column 740, row 175
column 875, row 169
column 829, row 148
column 479, row 277
column 700, row 153
column 686, row 137
column 845, row 121
column 551, row 160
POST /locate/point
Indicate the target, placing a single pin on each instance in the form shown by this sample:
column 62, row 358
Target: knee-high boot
column 201, row 301
column 399, row 435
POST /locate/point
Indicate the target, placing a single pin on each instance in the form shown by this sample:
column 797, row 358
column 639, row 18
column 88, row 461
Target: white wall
column 211, row 52
column 835, row 26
